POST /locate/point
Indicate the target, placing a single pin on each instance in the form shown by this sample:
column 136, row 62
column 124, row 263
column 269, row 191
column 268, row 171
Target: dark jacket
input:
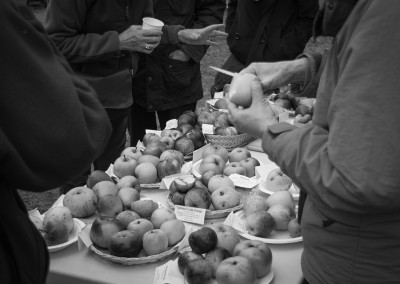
column 269, row 30
column 86, row 32
column 51, row 128
column 163, row 83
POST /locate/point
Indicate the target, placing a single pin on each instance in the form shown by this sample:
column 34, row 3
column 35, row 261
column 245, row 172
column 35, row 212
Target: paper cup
column 151, row 24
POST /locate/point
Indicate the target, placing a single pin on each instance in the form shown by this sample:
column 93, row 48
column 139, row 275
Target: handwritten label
column 207, row 128
column 190, row 214
column 160, row 274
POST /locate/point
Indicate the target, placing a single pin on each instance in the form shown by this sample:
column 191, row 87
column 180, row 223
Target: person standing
column 168, row 80
column 52, row 127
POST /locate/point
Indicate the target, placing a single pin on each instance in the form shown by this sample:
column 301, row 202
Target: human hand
column 255, row 119
column 179, row 55
column 202, row 36
column 136, row 39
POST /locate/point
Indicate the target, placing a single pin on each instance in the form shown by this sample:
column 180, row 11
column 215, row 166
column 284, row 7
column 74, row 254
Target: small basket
column 230, row 142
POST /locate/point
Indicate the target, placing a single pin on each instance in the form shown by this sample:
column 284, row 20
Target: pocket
column 179, row 74
column 181, row 7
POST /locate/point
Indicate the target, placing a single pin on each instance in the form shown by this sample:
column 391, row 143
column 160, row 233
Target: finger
column 152, row 33
column 152, row 39
column 210, row 42
column 217, row 33
column 256, row 91
column 214, row 27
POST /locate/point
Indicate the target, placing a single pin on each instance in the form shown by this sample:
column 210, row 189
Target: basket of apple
column 219, row 256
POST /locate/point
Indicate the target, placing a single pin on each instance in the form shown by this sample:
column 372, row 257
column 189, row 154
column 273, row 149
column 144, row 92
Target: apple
column 258, row 253
column 228, row 238
column 250, row 165
column 224, row 198
column 239, row 154
column 235, row 270
column 221, row 104
column 294, row 228
column 173, row 154
column 303, row 110
column 126, row 217
column 175, row 230
column 178, row 198
column 240, row 89
column 97, row 176
column 277, row 180
column 155, row 148
column 221, row 130
column 155, row 242
column 124, row 166
column 59, row 214
column 187, row 118
column 128, row 195
column 215, row 149
column 149, row 159
column 55, row 233
column 219, row 181
column 168, row 141
column 254, row 203
column 199, row 183
column 198, row 197
column 37, row 222
column 197, row 137
column 203, row 240
column 168, row 167
column 282, row 215
column 125, row 244
column 283, row 103
column 161, row 215
column 199, row 271
column 186, row 257
column 81, row 201
column 205, row 118
column 206, row 176
column 234, row 168
column 282, row 198
column 109, row 205
column 144, row 207
column 216, row 256
column 185, row 128
column 183, row 184
column 102, row 230
column 260, row 224
column 103, row 188
column 213, row 163
column 200, row 109
column 165, row 132
column 150, row 137
column 132, row 152
column 184, row 145
column 127, row 181
column 146, row 173
column 175, row 134
column 303, row 119
column 222, row 119
column 140, row 226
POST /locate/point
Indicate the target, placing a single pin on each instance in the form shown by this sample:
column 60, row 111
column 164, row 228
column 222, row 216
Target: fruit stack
column 218, row 254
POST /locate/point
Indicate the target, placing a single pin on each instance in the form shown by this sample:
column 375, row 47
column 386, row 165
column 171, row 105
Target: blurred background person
column 52, row 127
column 168, row 80
column 267, row 30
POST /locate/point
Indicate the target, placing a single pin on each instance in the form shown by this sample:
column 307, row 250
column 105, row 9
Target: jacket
column 163, row 83
column 86, row 32
column 269, row 30
column 52, row 127
column 348, row 159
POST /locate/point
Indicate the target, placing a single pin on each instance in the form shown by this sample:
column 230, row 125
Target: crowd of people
column 72, row 87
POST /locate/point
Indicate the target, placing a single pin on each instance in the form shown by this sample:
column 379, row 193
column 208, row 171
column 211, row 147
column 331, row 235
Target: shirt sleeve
column 52, row 125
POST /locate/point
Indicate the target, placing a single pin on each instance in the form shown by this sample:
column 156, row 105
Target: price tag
column 157, row 132
column 219, row 95
column 173, row 123
column 190, row 214
column 207, row 128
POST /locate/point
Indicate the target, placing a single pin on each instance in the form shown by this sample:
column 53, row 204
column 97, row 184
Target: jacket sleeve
column 352, row 164
column 208, row 12
column 294, row 41
column 64, row 21
column 52, row 125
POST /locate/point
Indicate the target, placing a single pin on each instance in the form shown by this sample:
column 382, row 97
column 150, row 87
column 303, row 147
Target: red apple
column 102, row 230
column 239, row 154
column 97, row 176
column 168, row 141
column 197, row 137
column 221, row 104
column 150, row 137
column 216, row 256
column 132, row 152
column 173, row 154
column 149, row 158
column 186, row 257
column 214, row 149
column 109, row 205
column 198, row 197
column 250, row 165
column 104, row 188
column 222, row 119
column 185, row 128
column 212, row 163
column 184, row 145
column 260, row 224
column 235, row 270
column 187, row 118
column 224, row 198
column 168, row 167
column 203, row 240
column 234, row 168
column 228, row 238
column 199, row 271
column 81, row 201
column 124, row 166
column 126, row 217
column 175, row 134
column 125, row 244
column 178, row 198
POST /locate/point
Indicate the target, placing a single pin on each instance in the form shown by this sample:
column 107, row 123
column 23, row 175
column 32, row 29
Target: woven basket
column 230, row 142
column 133, row 260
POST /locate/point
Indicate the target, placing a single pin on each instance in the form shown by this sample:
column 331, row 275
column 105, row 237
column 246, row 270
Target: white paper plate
column 236, row 220
column 73, row 236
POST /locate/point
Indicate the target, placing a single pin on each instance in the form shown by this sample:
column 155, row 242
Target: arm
column 51, row 124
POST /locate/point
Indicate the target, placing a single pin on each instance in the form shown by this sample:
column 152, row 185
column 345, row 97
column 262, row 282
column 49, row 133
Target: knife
column 226, row 72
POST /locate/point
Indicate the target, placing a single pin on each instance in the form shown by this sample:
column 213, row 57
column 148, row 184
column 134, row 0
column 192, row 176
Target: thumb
column 257, row 92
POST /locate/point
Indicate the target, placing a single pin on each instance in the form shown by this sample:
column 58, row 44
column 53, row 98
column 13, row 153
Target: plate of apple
column 58, row 228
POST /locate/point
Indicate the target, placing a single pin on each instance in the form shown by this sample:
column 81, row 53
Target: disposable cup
column 151, row 24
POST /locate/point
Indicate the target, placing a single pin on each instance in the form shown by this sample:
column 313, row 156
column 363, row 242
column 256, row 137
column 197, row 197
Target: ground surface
column 215, row 56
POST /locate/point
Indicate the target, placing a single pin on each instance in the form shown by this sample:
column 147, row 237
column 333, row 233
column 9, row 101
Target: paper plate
column 73, row 237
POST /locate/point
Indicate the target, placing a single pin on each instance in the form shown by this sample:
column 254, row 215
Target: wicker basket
column 230, row 142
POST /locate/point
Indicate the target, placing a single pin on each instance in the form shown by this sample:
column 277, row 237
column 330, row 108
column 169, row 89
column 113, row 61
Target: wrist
column 297, row 70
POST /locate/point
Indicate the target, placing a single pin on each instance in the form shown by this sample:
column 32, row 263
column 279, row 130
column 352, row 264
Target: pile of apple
column 218, row 254
column 56, row 225
column 276, row 212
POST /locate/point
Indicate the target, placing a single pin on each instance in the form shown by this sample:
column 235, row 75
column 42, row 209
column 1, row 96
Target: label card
column 173, row 123
column 158, row 132
column 219, row 95
column 190, row 214
column 207, row 128
column 243, row 181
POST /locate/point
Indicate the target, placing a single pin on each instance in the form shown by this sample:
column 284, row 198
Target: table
column 73, row 266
